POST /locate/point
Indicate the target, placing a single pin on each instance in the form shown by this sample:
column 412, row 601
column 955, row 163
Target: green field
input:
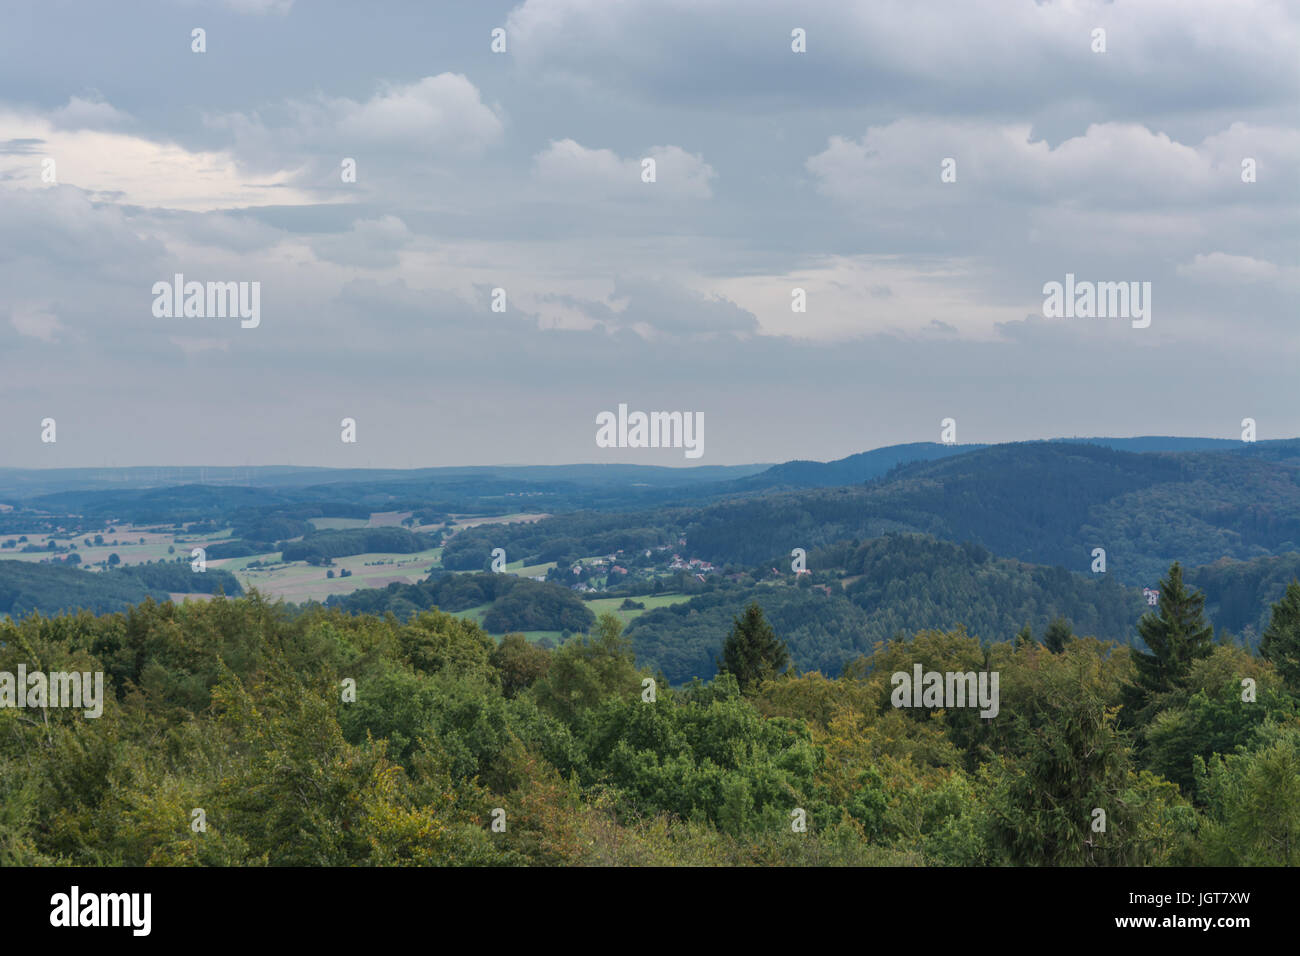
column 338, row 524
column 600, row 606
column 475, row 614
column 300, row 581
column 529, row 571
column 128, row 547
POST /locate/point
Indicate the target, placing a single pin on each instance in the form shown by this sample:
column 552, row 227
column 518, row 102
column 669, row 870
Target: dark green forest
column 876, row 590
column 337, row 544
column 1045, row 503
column 1040, row 502
column 27, row 588
column 518, row 604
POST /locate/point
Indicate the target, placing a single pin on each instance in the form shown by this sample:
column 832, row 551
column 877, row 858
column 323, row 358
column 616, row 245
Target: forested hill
column 847, row 471
column 28, row 588
column 1044, row 502
column 861, row 593
column 151, row 495
column 878, row 462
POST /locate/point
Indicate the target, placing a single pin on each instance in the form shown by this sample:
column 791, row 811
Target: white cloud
column 570, row 170
column 849, row 297
column 36, row 322
column 1111, row 164
column 439, row 116
column 1226, row 268
column 124, row 168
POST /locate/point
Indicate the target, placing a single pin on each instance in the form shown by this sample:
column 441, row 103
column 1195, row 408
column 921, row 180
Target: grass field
column 300, row 581
column 529, row 571
column 128, row 547
column 600, row 606
column 476, row 615
column 473, row 521
column 338, row 524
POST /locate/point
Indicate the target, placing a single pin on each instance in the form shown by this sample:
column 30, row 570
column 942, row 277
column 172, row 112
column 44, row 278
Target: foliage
column 331, row 739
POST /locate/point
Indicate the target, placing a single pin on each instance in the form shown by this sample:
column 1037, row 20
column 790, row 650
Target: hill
column 876, row 590
column 27, row 588
column 1042, row 502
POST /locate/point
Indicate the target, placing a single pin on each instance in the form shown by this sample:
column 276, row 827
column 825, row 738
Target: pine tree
column 1058, row 632
column 1281, row 642
column 752, row 651
column 1177, row 635
column 1025, row 636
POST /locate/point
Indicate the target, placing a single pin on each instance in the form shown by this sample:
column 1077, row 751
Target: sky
column 921, row 171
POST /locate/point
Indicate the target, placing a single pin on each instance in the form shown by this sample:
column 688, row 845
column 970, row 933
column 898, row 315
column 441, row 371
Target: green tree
column 1066, row 760
column 520, row 663
column 752, row 651
column 1058, row 632
column 1177, row 635
column 1281, row 642
column 1253, row 803
column 587, row 670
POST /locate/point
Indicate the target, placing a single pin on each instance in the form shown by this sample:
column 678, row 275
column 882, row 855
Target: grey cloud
column 956, row 56
column 822, row 166
column 21, row 147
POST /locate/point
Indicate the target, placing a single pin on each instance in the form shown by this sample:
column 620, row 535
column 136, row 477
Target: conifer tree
column 1281, row 642
column 1177, row 635
column 1058, row 632
column 752, row 651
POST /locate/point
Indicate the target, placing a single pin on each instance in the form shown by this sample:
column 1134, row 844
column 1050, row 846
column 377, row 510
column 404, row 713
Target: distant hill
column 478, row 490
column 1042, row 502
column 878, row 462
column 848, row 471
column 25, row 484
column 1240, row 594
column 157, row 495
column 27, row 587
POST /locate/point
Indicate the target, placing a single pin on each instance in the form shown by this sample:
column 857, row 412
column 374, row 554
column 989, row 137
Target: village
column 622, row 569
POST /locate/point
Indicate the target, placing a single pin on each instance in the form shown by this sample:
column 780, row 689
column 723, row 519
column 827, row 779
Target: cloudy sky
column 522, row 170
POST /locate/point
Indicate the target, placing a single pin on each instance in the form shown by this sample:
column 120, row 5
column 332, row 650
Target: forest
column 27, row 588
column 238, row 734
column 518, row 604
column 319, row 545
column 1047, row 503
